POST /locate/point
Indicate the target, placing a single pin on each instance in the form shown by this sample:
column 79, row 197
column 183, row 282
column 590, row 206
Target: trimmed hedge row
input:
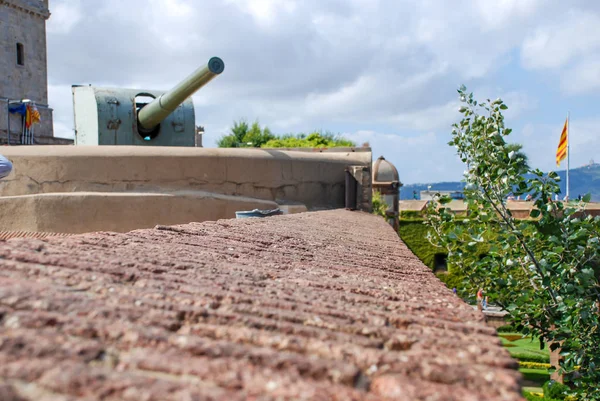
column 534, row 365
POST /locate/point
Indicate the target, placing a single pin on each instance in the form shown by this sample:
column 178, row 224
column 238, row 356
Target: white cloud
column 265, row 12
column 65, row 15
column 583, row 78
column 497, row 14
column 438, row 117
column 569, row 45
column 559, row 41
column 389, row 67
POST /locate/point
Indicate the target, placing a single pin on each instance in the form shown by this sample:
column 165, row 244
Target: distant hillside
column 583, row 180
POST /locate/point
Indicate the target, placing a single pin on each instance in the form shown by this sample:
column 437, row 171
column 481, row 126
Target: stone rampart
column 92, row 188
column 314, row 306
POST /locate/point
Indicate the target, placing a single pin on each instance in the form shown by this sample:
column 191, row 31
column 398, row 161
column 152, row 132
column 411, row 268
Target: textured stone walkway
column 313, row 306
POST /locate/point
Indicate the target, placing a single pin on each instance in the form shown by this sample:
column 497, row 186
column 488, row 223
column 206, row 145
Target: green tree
column 518, row 154
column 244, row 135
column 540, row 271
column 312, row 140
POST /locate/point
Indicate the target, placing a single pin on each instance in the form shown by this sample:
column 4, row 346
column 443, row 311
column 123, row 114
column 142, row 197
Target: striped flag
column 35, row 114
column 28, row 116
column 561, row 152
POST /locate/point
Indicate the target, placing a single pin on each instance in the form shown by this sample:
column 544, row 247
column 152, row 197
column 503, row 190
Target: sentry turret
column 117, row 116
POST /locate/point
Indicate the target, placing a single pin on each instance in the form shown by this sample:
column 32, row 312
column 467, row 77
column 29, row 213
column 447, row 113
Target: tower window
column 20, row 54
column 440, row 263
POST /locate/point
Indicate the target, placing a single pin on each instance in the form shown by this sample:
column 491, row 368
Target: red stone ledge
column 313, row 306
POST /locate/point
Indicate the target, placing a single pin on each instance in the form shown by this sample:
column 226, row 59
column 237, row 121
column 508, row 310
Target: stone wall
column 23, row 22
column 87, row 188
column 315, row 179
column 315, row 306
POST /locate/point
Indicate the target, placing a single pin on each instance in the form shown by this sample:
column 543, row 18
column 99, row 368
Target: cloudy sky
column 377, row 71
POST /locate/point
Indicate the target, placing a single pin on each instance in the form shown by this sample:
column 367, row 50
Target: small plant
column 533, row 396
column 312, row 140
column 379, row 205
column 554, row 390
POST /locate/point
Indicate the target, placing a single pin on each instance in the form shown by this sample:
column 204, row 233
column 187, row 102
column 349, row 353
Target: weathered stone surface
column 24, row 22
column 314, row 306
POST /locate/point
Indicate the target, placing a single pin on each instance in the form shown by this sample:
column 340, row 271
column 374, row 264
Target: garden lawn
column 524, row 349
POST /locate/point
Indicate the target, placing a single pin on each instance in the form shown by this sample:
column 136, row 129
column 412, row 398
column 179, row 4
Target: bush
column 414, row 234
column 554, row 390
column 535, row 375
column 534, row 365
column 410, row 214
column 454, row 280
column 531, row 396
column 530, row 357
column 509, row 328
column 312, row 140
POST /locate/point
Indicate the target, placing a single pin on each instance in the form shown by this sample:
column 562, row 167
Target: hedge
column 534, row 365
column 413, row 233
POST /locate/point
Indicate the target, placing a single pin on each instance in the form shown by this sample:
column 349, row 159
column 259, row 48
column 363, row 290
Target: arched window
column 440, row 263
column 20, row 54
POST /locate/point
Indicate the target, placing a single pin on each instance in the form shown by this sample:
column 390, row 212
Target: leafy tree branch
column 543, row 271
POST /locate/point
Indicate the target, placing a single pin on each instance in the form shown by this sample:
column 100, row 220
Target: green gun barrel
column 156, row 111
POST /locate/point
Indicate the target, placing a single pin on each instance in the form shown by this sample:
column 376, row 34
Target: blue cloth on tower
column 21, row 109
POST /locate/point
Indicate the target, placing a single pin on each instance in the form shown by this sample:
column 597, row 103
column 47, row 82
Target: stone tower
column 23, row 67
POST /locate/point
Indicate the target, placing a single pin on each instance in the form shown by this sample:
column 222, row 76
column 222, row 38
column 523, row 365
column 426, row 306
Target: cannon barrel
column 156, row 111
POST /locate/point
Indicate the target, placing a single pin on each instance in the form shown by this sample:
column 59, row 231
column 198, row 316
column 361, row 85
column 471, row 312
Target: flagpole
column 568, row 150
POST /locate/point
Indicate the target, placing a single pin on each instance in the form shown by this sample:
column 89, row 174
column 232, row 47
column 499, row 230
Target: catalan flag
column 35, row 114
column 561, row 152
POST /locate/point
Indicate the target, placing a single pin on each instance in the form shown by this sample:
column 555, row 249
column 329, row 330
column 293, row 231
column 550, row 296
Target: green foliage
column 538, row 376
column 525, row 348
column 379, row 205
column 414, row 234
column 313, row 140
column 531, row 397
column 534, row 365
column 555, row 391
column 411, row 214
column 454, row 279
column 528, row 356
column 542, row 274
column 518, row 153
column 244, row 135
column 509, row 328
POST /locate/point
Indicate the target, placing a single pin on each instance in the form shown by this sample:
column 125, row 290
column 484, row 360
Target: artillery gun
column 117, row 116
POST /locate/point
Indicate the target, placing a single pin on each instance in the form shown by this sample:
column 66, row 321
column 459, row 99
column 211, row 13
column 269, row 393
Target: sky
column 376, row 71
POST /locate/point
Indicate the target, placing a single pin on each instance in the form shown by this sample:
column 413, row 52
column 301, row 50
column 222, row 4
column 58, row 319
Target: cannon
column 119, row 116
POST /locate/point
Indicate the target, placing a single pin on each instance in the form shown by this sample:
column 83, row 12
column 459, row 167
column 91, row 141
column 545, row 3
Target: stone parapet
column 82, row 212
column 316, row 180
column 313, row 306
